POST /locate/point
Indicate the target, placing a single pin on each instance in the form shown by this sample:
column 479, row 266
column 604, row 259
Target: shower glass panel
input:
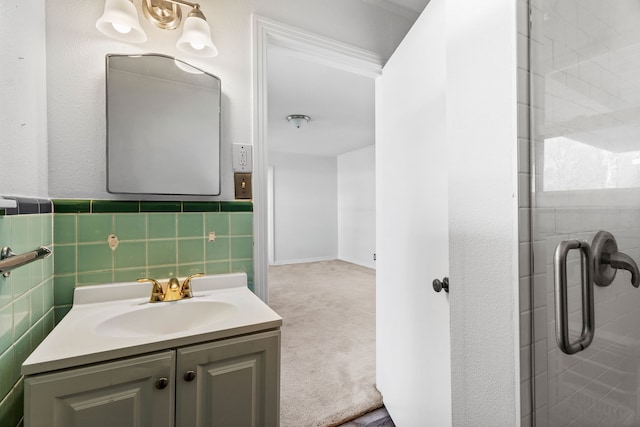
column 585, row 95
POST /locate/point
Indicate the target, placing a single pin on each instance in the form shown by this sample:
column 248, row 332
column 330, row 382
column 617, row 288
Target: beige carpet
column 328, row 341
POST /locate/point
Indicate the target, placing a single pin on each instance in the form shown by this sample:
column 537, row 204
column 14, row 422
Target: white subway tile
column 539, row 262
column 523, row 86
column 522, row 51
column 544, row 222
column 525, row 363
column 524, row 294
column 523, row 121
column 540, row 323
column 525, row 397
column 522, row 10
column 524, row 187
column 524, row 157
column 542, row 416
column 525, row 328
column 541, row 393
column 524, row 224
column 568, row 221
column 524, row 258
column 540, row 290
column 540, row 357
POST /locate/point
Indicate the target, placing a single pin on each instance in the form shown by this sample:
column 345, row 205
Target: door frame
column 266, row 32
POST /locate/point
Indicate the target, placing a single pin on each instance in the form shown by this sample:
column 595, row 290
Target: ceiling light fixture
column 298, row 120
column 120, row 21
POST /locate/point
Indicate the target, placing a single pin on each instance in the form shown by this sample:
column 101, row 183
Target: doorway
column 270, row 36
column 320, row 200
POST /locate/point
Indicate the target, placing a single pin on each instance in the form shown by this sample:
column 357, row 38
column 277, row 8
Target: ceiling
column 340, row 103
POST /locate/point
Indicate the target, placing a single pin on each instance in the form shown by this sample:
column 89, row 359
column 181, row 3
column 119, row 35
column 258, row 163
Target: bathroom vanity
column 117, row 359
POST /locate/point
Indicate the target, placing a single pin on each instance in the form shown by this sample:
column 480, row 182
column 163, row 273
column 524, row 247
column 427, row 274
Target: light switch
column 242, row 185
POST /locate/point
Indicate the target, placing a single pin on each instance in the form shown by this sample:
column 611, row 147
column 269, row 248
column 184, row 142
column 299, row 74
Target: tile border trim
column 28, row 206
column 146, row 206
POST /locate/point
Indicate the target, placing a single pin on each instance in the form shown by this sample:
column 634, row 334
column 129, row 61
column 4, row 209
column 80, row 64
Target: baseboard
column 302, row 260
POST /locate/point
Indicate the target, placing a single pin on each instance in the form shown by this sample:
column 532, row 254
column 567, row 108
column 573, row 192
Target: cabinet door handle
column 162, row 382
column 189, row 375
column 562, row 313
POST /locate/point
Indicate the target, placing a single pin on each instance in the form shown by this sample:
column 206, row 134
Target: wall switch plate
column 242, row 183
column 242, row 158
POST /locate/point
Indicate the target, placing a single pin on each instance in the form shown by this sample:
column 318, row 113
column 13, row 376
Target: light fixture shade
column 120, row 21
column 196, row 36
column 298, row 120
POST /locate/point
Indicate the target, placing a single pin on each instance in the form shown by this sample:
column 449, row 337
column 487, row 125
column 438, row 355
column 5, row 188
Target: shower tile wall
column 155, row 239
column 584, row 87
column 26, row 300
column 600, row 384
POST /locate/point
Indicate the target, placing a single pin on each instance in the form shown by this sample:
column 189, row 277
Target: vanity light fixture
column 120, row 21
column 298, row 120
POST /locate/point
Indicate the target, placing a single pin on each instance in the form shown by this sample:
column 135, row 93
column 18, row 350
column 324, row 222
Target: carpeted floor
column 328, row 341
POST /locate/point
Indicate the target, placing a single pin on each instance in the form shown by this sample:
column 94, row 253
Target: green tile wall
column 26, row 307
column 155, row 239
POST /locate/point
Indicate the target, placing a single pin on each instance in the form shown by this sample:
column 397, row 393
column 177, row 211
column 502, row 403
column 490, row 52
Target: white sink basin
column 116, row 320
column 163, row 318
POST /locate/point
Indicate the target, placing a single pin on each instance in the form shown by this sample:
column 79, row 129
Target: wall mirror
column 163, row 127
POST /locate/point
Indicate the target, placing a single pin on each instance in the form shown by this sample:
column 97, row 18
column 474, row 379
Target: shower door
column 585, row 132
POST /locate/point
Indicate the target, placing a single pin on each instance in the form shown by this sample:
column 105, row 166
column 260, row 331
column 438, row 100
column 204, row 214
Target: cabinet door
column 230, row 383
column 124, row 393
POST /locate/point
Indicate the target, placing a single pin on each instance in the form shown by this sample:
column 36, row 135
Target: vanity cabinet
column 230, row 382
column 119, row 393
column 234, row 382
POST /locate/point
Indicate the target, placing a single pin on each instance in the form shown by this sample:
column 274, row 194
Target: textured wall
column 75, row 71
column 483, row 207
column 23, row 114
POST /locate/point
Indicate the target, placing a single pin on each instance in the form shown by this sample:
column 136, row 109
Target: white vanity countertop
column 76, row 341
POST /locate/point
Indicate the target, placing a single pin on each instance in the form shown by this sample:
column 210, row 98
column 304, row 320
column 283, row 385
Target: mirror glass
column 163, row 127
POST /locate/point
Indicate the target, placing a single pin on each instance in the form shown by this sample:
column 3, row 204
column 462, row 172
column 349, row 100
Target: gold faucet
column 172, row 291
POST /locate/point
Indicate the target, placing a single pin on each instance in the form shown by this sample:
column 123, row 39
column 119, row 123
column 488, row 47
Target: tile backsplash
column 26, row 300
column 154, row 239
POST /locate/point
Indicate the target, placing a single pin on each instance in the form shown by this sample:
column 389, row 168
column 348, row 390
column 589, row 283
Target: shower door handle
column 561, row 297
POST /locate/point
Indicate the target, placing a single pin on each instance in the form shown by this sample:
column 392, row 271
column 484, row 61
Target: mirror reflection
column 163, row 127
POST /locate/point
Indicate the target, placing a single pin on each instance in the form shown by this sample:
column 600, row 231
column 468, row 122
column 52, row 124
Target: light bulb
column 197, row 46
column 122, row 29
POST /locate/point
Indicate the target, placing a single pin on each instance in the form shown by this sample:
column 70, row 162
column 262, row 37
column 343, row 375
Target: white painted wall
column 305, row 207
column 357, row 206
column 483, row 211
column 23, row 114
column 75, row 63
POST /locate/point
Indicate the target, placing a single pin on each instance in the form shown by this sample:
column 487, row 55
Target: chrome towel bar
column 9, row 260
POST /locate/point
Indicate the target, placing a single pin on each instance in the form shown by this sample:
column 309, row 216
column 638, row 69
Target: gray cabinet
column 122, row 393
column 231, row 382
